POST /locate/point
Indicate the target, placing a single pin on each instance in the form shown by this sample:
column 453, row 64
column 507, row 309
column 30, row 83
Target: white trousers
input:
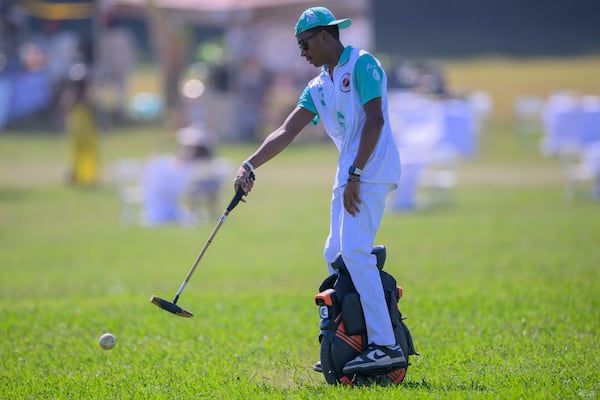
column 354, row 237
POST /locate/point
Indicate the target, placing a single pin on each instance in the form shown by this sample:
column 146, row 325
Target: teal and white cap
column 319, row 16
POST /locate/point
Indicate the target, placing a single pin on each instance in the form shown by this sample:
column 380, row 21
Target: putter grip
column 238, row 195
column 236, row 199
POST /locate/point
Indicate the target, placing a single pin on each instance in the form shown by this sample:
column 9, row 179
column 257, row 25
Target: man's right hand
column 243, row 179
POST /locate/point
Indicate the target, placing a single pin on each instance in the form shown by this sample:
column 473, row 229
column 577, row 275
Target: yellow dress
column 83, row 142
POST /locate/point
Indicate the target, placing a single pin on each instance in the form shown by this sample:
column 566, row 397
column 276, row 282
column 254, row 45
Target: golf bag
column 343, row 333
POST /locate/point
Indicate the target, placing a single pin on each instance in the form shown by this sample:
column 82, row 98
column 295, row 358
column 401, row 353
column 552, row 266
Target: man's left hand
column 352, row 197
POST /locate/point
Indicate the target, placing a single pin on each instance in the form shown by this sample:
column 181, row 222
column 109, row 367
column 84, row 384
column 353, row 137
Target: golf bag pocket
column 392, row 297
column 329, row 309
column 352, row 312
column 404, row 339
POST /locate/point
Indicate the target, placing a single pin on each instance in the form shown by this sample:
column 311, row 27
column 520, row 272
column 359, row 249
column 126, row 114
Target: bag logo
column 324, row 312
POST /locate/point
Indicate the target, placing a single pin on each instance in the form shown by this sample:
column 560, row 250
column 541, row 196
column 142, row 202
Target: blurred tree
column 168, row 33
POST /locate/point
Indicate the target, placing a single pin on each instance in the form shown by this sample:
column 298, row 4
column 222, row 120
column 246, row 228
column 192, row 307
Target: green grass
column 501, row 290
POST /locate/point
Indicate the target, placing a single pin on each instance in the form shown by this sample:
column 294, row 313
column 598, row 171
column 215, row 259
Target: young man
column 350, row 97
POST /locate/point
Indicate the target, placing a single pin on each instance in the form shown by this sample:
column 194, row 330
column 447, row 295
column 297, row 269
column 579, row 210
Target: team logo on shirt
column 345, row 83
column 375, row 71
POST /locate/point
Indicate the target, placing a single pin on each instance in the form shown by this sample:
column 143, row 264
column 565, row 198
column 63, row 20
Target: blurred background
column 231, row 71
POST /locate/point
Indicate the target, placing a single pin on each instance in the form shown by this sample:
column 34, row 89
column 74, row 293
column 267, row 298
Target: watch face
column 354, row 171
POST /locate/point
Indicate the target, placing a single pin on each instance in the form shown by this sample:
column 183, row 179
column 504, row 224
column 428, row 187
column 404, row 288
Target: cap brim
column 341, row 23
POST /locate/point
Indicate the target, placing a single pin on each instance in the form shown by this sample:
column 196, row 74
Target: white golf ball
column 107, row 341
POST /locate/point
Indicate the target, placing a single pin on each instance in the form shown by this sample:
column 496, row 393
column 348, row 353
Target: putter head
column 170, row 307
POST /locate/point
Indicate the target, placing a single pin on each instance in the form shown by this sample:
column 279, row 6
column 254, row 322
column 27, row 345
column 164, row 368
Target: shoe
column 376, row 358
column 317, row 367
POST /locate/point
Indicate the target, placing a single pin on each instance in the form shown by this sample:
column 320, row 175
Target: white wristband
column 248, row 166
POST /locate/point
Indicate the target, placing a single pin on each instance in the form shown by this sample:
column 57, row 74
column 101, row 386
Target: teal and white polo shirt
column 338, row 103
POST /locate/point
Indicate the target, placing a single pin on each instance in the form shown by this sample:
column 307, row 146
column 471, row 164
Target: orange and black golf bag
column 343, row 333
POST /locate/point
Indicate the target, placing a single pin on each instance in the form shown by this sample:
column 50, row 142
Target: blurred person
column 81, row 127
column 350, row 96
column 404, row 76
column 174, row 187
column 251, row 86
column 33, row 57
column 61, row 53
column 429, row 79
column 162, row 184
column 114, row 73
column 13, row 33
column 206, row 171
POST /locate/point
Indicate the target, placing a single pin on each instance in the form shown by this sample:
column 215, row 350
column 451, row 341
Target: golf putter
column 171, row 306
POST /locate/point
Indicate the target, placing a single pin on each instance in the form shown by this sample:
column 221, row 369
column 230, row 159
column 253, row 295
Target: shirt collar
column 344, row 57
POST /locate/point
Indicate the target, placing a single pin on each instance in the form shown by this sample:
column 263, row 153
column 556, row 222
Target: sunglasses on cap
column 303, row 43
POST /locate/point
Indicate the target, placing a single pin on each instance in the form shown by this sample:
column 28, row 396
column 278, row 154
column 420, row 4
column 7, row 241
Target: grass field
column 501, row 290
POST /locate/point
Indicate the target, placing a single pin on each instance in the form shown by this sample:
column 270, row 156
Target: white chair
column 163, row 184
column 590, row 126
column 460, row 129
column 555, row 111
column 405, row 197
column 203, row 186
column 528, row 113
column 439, row 177
column 592, row 160
column 127, row 175
column 572, row 134
column 582, row 173
column 416, row 120
column 482, row 105
column 428, row 161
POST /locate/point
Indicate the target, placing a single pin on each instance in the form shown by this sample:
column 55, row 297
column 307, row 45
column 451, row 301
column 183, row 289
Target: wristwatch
column 354, row 170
